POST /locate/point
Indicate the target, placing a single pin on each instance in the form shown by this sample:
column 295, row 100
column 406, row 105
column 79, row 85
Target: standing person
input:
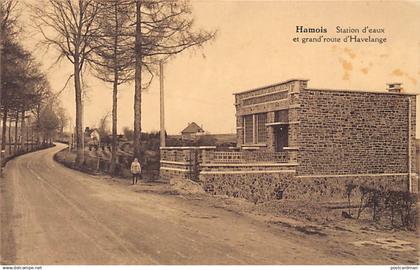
column 135, row 169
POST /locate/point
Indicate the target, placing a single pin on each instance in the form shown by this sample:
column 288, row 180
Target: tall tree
column 14, row 63
column 137, row 81
column 112, row 60
column 68, row 26
column 163, row 28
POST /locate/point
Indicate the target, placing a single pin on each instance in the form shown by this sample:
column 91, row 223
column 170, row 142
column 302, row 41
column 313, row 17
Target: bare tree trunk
column 114, row 126
column 79, row 124
column 10, row 135
column 27, row 136
column 32, row 137
column 22, row 130
column 4, row 128
column 137, row 83
column 115, row 98
column 38, row 124
column 16, row 132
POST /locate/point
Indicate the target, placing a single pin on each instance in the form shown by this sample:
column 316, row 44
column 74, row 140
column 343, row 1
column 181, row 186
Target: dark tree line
column 25, row 93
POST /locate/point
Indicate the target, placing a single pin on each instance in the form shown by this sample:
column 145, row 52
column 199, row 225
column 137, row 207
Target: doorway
column 281, row 134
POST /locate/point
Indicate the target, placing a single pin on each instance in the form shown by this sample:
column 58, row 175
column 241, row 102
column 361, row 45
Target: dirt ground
column 53, row 215
column 314, row 220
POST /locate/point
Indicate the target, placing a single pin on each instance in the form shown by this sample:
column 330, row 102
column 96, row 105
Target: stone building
column 310, row 142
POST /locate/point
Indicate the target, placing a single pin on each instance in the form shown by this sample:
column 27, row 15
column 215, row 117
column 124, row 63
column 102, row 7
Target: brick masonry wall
column 166, row 175
column 175, row 163
column 352, row 133
column 291, row 97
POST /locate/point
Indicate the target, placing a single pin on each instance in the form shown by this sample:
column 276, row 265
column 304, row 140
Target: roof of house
column 192, row 128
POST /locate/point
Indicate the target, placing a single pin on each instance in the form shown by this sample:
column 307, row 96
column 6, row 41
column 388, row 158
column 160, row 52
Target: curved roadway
column 54, row 215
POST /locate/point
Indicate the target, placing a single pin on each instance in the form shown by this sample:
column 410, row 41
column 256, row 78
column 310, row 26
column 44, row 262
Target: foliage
column 24, row 88
column 62, row 117
column 387, row 205
column 103, row 126
column 202, row 140
column 49, row 122
column 128, row 133
column 349, row 190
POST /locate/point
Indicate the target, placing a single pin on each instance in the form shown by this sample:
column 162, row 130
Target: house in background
column 192, row 131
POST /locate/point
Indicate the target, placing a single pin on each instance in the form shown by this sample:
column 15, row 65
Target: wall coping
column 186, row 147
column 247, row 172
column 351, row 175
column 174, row 162
column 361, row 91
column 174, row 169
column 248, row 164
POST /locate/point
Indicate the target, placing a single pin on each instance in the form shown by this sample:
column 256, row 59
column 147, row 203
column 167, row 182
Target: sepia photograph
column 209, row 133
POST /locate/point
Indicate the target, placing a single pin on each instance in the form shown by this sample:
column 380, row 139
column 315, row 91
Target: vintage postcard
column 209, row 132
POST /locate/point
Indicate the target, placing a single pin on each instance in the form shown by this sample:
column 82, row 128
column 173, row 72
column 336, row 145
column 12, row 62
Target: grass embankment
column 100, row 165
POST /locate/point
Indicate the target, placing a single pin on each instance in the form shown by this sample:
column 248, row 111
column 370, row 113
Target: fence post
column 98, row 161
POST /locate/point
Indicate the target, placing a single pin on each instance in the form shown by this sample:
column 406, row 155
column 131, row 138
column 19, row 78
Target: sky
column 254, row 47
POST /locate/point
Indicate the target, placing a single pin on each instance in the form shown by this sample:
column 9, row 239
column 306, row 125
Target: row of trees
column 25, row 93
column 117, row 41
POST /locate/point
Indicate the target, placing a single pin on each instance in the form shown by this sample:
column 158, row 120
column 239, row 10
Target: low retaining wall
column 263, row 181
column 255, row 186
column 334, row 187
column 264, row 186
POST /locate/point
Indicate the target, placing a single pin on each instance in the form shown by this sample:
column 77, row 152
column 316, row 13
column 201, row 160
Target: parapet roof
column 324, row 89
column 270, row 85
column 364, row 91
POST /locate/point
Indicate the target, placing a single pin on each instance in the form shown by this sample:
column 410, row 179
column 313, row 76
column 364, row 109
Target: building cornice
column 268, row 86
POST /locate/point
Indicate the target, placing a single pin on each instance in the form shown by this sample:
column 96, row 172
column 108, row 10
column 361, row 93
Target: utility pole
column 32, row 135
column 162, row 107
column 71, row 135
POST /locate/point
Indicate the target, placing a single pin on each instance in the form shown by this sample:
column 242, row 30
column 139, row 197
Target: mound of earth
column 185, row 186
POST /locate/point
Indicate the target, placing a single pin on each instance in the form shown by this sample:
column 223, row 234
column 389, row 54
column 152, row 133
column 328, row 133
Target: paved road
column 53, row 215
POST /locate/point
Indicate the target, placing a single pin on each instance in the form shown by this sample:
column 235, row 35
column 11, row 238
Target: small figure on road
column 135, row 170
